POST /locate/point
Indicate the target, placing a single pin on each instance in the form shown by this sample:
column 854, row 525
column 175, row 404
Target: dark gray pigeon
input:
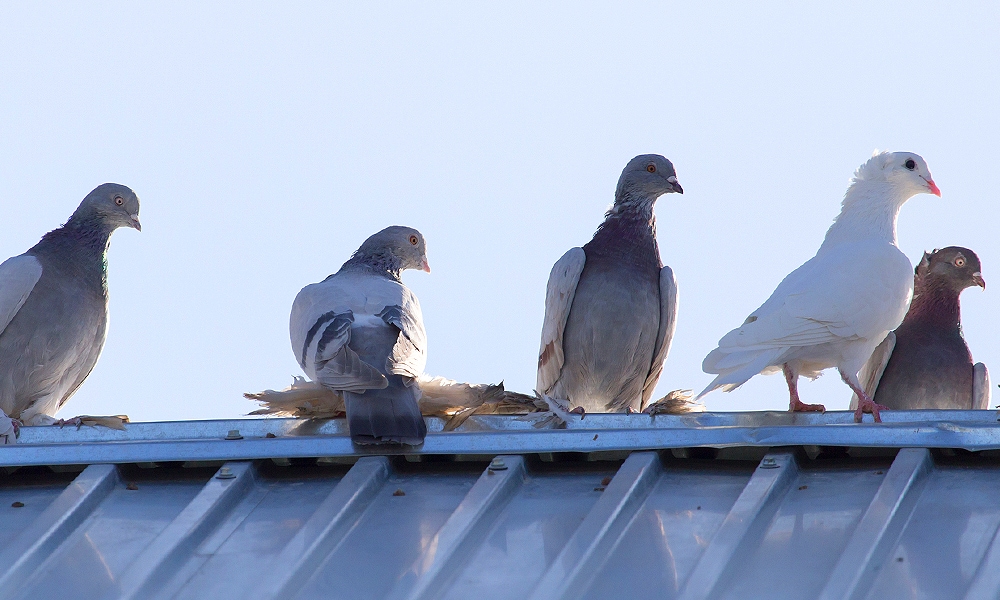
column 54, row 307
column 925, row 363
column 360, row 331
column 610, row 306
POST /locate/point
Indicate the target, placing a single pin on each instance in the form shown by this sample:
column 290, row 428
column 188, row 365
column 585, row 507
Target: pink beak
column 934, row 188
column 426, row 267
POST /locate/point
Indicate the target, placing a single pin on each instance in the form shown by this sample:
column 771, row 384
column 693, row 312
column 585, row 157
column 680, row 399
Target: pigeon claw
column 579, row 410
column 866, row 405
column 77, row 421
column 799, row 406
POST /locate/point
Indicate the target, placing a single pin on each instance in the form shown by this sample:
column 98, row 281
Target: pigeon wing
column 981, row 392
column 18, row 276
column 665, row 333
column 871, row 373
column 337, row 365
column 559, row 293
column 409, row 353
column 830, row 298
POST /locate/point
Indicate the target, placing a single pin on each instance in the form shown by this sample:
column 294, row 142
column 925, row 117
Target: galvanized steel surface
column 739, row 505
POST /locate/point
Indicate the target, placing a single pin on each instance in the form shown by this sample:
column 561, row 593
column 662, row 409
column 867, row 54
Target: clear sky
column 267, row 141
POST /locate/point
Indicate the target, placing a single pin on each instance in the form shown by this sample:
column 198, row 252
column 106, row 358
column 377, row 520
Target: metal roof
column 709, row 505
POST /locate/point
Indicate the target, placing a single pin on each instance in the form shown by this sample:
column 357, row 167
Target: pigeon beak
column 134, row 222
column 424, row 265
column 933, row 187
column 675, row 187
column 978, row 278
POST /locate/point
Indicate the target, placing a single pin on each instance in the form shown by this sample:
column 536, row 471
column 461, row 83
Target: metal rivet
column 769, row 463
column 498, row 465
column 234, row 434
column 225, row 473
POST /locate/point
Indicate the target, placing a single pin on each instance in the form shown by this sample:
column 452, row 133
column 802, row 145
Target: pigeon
column 54, row 307
column 611, row 306
column 837, row 307
column 360, row 332
column 925, row 363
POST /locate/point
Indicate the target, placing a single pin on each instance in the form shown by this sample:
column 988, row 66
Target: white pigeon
column 837, row 307
column 360, row 332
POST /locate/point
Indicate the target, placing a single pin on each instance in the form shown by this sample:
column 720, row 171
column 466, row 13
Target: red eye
column 413, row 240
column 651, row 168
column 119, row 200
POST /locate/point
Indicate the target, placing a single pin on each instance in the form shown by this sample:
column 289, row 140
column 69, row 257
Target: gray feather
column 610, row 307
column 360, row 332
column 53, row 306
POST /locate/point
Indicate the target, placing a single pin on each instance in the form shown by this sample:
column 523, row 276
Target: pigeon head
column 112, row 205
column 394, row 249
column 954, row 267
column 645, row 178
column 905, row 171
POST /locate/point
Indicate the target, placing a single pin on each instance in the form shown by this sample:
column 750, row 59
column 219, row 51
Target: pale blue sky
column 266, row 142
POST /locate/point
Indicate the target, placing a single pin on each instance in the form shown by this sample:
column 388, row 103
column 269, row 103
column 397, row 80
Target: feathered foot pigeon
column 833, row 310
column 360, row 332
column 925, row 363
column 610, row 306
column 54, row 306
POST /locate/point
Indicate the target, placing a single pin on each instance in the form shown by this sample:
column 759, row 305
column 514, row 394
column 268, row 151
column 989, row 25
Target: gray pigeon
column 610, row 307
column 54, row 306
column 360, row 331
column 925, row 363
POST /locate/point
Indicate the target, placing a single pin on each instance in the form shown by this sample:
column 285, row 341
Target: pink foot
column 579, row 410
column 799, row 406
column 74, row 421
column 866, row 405
column 17, row 424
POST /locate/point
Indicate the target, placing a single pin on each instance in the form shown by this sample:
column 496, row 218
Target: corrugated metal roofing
column 737, row 505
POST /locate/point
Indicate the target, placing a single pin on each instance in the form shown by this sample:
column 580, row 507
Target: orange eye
column 651, row 168
column 413, row 240
column 959, row 262
column 119, row 200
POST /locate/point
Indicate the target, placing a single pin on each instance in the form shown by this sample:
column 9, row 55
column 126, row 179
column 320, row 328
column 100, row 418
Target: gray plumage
column 925, row 363
column 53, row 306
column 610, row 307
column 360, row 331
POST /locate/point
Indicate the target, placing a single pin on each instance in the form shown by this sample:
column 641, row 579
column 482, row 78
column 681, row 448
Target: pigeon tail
column 388, row 416
column 749, row 364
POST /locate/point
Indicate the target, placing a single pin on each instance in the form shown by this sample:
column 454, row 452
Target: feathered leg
column 794, row 404
column 865, row 404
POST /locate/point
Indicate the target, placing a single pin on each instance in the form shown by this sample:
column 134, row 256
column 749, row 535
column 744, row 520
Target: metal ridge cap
column 253, row 443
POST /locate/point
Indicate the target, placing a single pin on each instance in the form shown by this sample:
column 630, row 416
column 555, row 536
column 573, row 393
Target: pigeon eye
column 413, row 240
column 959, row 262
column 651, row 168
column 119, row 200
column 910, row 164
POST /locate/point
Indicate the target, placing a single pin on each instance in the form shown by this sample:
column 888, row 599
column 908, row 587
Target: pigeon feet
column 797, row 405
column 794, row 404
column 77, row 421
column 867, row 405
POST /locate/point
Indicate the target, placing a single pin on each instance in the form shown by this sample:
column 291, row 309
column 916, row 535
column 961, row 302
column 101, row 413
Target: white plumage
column 834, row 309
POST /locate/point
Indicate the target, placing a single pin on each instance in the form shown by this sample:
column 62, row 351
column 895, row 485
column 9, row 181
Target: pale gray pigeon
column 838, row 306
column 610, row 307
column 54, row 306
column 926, row 363
column 360, row 331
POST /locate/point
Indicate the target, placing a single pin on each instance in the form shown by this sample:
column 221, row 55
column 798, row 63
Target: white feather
column 834, row 309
